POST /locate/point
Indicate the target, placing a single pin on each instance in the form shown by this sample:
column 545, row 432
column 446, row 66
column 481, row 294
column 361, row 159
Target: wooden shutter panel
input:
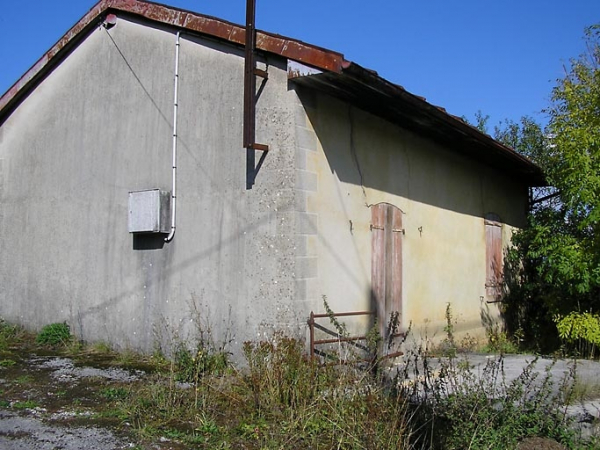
column 396, row 267
column 378, row 258
column 386, row 261
column 494, row 260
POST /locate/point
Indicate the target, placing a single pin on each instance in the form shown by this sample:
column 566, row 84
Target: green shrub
column 54, row 334
column 581, row 331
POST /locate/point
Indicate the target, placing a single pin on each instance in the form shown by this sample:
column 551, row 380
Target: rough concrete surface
column 52, row 423
column 17, row 432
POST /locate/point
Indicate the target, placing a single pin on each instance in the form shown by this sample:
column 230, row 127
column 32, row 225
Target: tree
column 527, row 137
column 560, row 247
column 575, row 130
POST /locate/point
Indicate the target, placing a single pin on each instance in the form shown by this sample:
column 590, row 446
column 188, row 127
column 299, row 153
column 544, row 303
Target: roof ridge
column 191, row 21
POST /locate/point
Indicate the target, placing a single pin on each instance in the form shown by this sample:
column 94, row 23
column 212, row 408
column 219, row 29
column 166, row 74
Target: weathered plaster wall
column 361, row 160
column 248, row 261
column 99, row 126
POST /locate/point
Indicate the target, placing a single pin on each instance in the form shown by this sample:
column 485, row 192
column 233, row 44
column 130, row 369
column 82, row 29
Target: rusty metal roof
column 332, row 74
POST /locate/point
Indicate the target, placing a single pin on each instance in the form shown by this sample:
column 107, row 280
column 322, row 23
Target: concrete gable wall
column 99, row 126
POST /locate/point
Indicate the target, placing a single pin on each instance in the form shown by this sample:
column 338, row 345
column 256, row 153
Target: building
column 368, row 195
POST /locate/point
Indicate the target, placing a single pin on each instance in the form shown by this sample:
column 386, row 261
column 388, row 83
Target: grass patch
column 281, row 398
column 10, row 335
column 100, row 348
column 285, row 400
column 24, row 379
column 114, row 393
column 111, row 413
column 54, row 334
column 28, row 404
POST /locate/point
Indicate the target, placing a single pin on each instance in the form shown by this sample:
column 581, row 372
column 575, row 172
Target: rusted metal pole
column 311, row 327
column 250, row 73
column 249, row 77
column 356, row 313
column 249, row 94
column 341, row 339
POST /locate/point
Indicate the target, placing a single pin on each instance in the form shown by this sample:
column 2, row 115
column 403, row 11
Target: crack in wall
column 355, row 156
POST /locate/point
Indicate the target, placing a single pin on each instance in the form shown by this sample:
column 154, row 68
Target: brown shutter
column 396, row 267
column 386, row 261
column 494, row 262
column 378, row 259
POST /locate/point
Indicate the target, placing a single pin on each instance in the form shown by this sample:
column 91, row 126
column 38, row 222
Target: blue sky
column 501, row 57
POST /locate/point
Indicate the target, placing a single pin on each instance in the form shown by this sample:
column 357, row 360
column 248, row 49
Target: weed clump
column 459, row 406
column 280, row 398
column 190, row 366
column 296, row 400
column 54, row 334
column 9, row 334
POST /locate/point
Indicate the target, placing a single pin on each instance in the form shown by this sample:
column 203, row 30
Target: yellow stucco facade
column 360, row 161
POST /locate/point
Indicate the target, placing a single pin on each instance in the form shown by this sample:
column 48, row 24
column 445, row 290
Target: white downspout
column 174, row 187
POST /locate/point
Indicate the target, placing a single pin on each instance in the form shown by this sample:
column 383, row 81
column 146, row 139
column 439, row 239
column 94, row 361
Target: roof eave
column 367, row 90
column 191, row 22
column 50, row 59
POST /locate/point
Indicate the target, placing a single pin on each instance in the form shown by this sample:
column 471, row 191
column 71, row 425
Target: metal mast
column 250, row 73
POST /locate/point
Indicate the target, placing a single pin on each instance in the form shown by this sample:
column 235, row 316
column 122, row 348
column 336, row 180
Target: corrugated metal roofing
column 334, row 75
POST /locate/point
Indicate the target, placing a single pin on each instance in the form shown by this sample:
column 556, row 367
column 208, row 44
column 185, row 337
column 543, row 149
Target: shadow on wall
column 148, row 241
column 364, row 150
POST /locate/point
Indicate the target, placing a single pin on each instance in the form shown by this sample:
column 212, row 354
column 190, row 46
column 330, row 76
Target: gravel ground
column 50, row 403
column 29, row 432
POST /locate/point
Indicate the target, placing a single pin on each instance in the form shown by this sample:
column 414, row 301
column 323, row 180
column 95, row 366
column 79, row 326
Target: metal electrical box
column 150, row 211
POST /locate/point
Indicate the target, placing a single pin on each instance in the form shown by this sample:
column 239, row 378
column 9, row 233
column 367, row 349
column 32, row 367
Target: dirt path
column 21, row 431
column 53, row 402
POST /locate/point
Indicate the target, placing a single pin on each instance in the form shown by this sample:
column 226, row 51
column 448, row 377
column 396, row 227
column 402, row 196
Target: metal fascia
column 375, row 82
column 47, row 58
column 289, row 48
